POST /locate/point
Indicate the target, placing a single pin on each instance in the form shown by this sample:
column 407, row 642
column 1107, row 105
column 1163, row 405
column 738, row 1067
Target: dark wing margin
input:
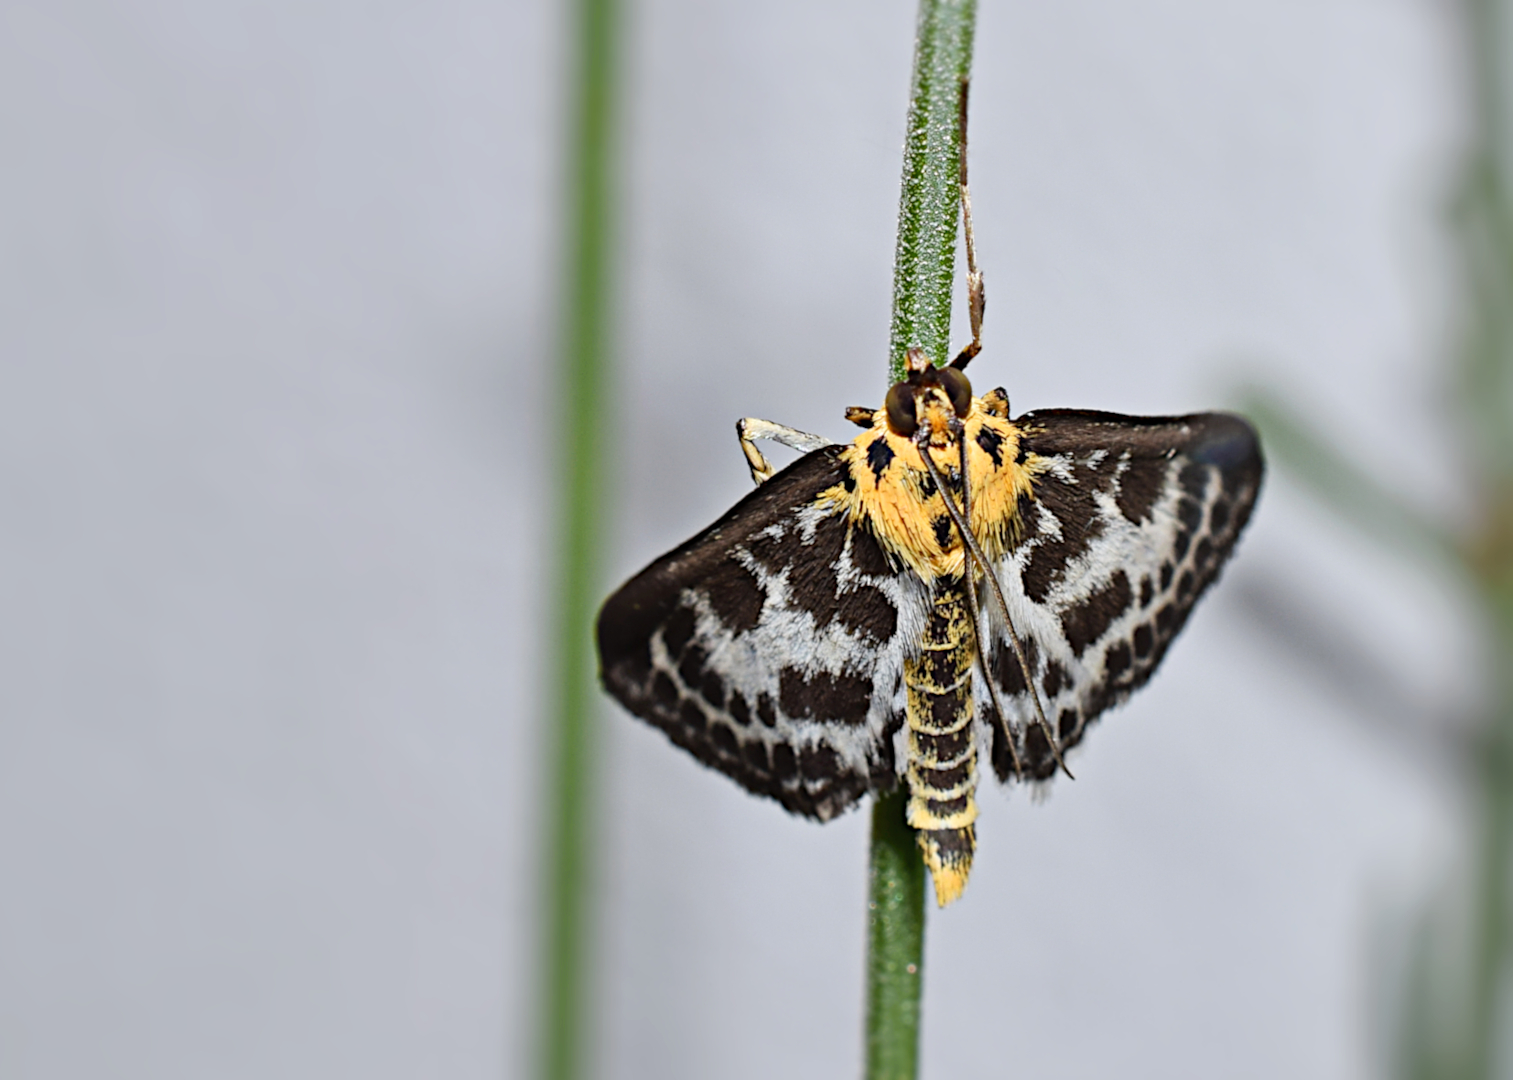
column 1132, row 519
column 771, row 645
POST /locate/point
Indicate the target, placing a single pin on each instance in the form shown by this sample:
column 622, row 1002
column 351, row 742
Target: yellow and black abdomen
column 941, row 770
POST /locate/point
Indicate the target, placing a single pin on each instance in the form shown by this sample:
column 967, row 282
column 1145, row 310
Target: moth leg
column 749, row 429
column 977, row 297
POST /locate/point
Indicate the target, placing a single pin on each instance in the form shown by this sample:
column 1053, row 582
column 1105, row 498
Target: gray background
column 277, row 288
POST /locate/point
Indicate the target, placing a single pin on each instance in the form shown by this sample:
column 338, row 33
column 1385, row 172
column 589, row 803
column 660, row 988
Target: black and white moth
column 951, row 584
column 820, row 640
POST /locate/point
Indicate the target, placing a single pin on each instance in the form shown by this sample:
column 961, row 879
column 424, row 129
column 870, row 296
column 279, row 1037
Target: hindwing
column 1128, row 521
column 772, row 644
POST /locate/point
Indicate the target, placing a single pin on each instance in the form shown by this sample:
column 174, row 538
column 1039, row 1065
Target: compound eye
column 900, row 406
column 958, row 388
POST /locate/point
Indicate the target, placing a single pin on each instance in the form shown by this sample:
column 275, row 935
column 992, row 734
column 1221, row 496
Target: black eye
column 900, row 406
column 958, row 388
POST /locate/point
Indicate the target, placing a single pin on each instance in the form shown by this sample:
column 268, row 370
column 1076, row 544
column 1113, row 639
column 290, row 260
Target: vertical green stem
column 924, row 261
column 586, row 301
column 1486, row 232
column 895, row 943
column 923, row 272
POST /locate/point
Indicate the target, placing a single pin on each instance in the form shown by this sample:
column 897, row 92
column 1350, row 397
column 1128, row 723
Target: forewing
column 1130, row 521
column 771, row 645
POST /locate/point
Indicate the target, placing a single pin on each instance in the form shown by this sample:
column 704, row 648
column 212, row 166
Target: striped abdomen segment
column 942, row 765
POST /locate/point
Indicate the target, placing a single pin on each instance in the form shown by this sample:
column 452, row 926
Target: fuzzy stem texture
column 924, row 261
column 923, row 271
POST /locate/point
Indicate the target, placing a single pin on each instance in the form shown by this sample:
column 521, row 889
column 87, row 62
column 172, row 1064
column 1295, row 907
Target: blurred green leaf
column 1339, row 483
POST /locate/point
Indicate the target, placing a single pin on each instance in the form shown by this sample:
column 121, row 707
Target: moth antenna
column 977, row 297
column 977, row 634
column 981, row 558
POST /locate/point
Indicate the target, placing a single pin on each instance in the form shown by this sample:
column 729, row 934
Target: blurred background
column 278, row 312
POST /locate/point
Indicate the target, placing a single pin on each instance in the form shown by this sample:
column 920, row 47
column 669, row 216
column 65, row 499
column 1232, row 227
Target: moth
column 952, row 589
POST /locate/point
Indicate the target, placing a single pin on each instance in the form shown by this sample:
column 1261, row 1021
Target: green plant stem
column 923, row 274
column 895, row 943
column 567, row 840
column 924, row 261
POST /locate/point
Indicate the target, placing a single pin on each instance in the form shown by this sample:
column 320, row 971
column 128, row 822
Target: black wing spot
column 879, row 456
column 765, row 712
column 819, row 763
column 785, row 765
column 740, row 712
column 1185, row 585
column 1038, row 760
column 1054, row 679
column 822, row 696
column 1087, row 622
column 1147, row 591
column 712, row 689
column 869, row 613
column 1204, row 553
column 693, row 718
column 1143, row 640
column 772, row 549
column 664, row 693
column 1003, row 759
column 992, row 444
column 1010, row 673
column 867, row 555
column 1066, row 724
column 812, row 582
column 1194, row 479
column 756, row 755
column 1166, row 620
column 1074, row 507
column 1167, row 569
column 1189, row 512
column 692, row 665
column 1139, row 488
column 1218, row 515
column 724, row 738
column 1117, row 660
column 736, row 599
column 678, row 630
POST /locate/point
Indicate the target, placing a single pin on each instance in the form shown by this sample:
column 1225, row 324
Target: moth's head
column 930, row 403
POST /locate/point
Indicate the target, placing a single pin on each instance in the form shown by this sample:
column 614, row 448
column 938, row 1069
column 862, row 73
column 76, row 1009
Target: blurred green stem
column 1456, row 1030
column 923, row 276
column 567, row 842
column 1350, row 490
